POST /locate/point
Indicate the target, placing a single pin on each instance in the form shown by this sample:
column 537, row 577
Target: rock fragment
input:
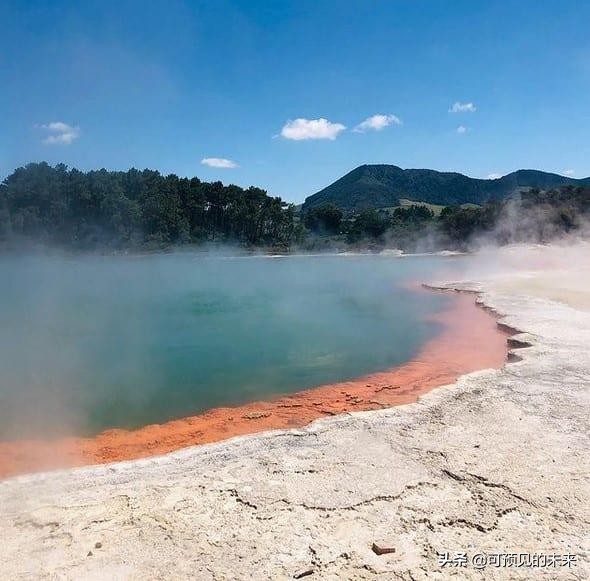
column 256, row 415
column 383, row 548
column 303, row 573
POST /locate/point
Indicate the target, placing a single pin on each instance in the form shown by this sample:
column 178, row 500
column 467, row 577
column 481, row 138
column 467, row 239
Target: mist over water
column 89, row 343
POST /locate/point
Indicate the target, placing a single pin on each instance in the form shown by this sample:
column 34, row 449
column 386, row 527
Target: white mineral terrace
column 496, row 463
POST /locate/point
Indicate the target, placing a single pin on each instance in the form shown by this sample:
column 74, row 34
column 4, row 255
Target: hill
column 381, row 186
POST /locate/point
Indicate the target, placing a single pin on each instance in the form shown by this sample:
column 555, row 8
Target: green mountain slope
column 379, row 186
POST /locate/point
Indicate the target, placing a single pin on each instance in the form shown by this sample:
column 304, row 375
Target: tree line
column 135, row 209
column 115, row 210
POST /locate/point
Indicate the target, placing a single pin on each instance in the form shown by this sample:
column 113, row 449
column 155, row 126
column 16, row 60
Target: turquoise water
column 89, row 343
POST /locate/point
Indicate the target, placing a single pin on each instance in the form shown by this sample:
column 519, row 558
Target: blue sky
column 168, row 84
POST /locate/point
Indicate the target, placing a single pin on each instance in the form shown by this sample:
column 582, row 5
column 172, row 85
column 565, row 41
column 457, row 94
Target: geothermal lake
column 90, row 343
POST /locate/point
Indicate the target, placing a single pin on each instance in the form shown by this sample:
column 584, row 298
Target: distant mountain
column 381, row 186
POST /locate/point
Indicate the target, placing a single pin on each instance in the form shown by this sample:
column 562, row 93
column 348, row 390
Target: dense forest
column 135, row 209
column 144, row 210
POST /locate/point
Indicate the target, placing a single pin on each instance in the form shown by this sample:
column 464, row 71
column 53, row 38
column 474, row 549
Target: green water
column 89, row 343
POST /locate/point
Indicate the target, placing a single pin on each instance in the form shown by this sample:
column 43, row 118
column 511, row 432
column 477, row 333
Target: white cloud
column 459, row 107
column 569, row 172
column 494, row 176
column 60, row 133
column 462, row 129
column 377, row 123
column 299, row 129
column 219, row 162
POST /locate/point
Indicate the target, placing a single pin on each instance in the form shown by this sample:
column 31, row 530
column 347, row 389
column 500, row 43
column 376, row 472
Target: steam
column 514, row 221
column 48, row 342
column 536, row 224
column 559, row 271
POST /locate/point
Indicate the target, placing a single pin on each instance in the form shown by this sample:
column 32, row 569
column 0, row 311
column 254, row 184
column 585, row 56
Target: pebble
column 382, row 548
column 303, row 573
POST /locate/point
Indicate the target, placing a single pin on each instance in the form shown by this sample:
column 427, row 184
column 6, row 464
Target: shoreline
column 470, row 340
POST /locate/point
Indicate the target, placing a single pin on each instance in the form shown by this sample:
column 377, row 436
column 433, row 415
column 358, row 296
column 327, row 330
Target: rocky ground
column 496, row 463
